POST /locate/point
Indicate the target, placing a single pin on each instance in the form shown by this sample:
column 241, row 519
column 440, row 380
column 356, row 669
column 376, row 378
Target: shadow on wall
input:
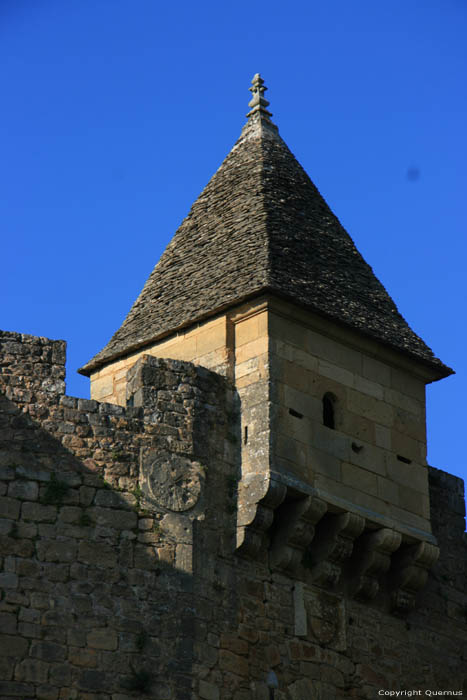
column 105, row 575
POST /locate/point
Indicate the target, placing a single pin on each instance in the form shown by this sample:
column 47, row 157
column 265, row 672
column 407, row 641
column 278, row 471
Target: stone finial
column 258, row 103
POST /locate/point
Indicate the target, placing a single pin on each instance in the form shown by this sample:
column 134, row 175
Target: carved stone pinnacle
column 258, row 102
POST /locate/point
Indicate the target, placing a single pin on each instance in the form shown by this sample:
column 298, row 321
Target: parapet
column 32, row 369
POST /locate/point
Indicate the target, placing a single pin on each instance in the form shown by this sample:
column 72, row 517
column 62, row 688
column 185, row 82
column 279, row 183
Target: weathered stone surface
column 9, row 508
column 99, row 554
column 171, row 481
column 208, row 691
column 13, row 646
column 48, row 651
column 121, row 519
column 103, row 639
column 233, row 663
column 93, row 680
column 15, row 689
column 57, row 551
column 301, row 690
column 39, row 513
column 32, row 670
column 47, row 692
column 8, row 623
column 8, row 580
column 24, row 490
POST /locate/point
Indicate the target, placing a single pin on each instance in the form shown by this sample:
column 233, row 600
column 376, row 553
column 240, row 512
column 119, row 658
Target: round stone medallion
column 173, row 481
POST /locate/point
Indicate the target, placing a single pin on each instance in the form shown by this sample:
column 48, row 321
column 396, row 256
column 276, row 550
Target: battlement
column 32, row 368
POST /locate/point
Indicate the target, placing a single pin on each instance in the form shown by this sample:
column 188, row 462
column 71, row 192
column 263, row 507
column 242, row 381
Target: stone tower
column 262, row 284
column 243, row 511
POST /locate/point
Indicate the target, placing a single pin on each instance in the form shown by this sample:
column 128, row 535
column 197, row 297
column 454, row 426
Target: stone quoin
column 243, row 509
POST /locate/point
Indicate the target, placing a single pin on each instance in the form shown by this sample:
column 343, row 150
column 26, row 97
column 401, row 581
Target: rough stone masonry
column 119, row 572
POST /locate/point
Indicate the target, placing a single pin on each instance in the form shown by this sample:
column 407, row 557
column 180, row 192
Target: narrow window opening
column 295, row 413
column 245, row 435
column 406, row 460
column 328, row 411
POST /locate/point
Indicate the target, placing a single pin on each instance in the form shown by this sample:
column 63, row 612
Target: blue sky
column 115, row 114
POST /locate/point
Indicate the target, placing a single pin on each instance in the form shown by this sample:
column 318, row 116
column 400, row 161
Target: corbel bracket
column 258, row 498
column 333, row 546
column 295, row 529
column 371, row 559
column 409, row 571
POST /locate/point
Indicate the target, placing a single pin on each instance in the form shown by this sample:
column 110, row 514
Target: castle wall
column 119, row 574
column 97, row 575
column 323, row 644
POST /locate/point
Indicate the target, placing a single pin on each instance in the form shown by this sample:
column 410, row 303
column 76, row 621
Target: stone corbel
column 257, row 500
column 332, row 546
column 370, row 560
column 294, row 530
column 409, row 572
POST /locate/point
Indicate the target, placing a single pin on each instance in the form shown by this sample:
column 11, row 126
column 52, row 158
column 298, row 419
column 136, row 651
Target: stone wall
column 97, row 574
column 119, row 574
column 375, row 455
column 204, row 344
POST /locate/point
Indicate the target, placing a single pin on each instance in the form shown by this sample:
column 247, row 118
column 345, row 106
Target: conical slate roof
column 261, row 225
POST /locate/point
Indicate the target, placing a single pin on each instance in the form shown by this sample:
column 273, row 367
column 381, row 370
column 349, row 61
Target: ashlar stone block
column 331, row 441
column 414, row 501
column 388, row 490
column 295, row 426
column 255, row 348
column 382, row 437
column 414, row 475
column 337, row 373
column 8, row 580
column 9, row 508
column 371, row 408
column 366, row 386
column 365, row 455
column 355, row 426
column 208, row 691
column 408, row 384
column 406, row 446
column 376, row 371
column 104, row 638
column 359, row 478
column 407, row 403
column 292, row 450
column 326, row 464
column 296, row 356
column 301, row 402
column 291, row 374
column 24, row 490
column 33, row 670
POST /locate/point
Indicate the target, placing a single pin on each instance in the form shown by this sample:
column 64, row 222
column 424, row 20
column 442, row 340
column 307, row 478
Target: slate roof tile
column 261, row 225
